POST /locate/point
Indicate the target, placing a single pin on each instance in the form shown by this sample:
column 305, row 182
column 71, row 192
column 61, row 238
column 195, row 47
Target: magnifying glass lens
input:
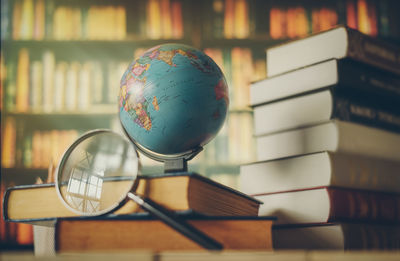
column 97, row 172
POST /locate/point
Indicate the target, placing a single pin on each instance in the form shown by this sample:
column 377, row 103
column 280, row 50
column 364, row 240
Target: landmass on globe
column 141, row 97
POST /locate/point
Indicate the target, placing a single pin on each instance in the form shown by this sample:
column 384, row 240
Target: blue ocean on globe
column 173, row 99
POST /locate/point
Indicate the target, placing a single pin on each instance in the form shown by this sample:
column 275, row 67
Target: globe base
column 178, row 165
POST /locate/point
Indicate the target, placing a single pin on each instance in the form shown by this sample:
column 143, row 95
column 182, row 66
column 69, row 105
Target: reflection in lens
column 97, row 172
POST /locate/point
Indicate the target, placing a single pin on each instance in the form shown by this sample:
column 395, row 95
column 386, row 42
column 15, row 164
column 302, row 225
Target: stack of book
column 327, row 122
column 222, row 213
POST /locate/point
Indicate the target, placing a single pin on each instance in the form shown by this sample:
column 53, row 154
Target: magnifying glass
column 99, row 172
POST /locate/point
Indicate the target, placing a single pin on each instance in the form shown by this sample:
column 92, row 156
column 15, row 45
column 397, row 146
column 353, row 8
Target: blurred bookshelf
column 60, row 79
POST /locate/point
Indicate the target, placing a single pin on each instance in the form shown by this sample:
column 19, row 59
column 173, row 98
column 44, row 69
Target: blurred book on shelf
column 36, row 149
column 45, row 19
column 48, row 85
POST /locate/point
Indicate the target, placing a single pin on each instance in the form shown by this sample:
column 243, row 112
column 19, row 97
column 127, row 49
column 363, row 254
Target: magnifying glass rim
column 68, row 152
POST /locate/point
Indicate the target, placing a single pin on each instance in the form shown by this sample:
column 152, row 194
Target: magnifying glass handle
column 175, row 222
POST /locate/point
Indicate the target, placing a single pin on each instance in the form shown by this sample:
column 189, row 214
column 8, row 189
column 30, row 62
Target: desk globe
column 173, row 100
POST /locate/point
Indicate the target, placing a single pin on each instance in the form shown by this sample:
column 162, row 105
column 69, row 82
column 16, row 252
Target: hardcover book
column 322, row 106
column 178, row 192
column 339, row 42
column 344, row 75
column 333, row 136
column 131, row 232
column 331, row 204
column 318, row 170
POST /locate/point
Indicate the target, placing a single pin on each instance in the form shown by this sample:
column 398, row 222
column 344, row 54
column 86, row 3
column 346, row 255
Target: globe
column 173, row 100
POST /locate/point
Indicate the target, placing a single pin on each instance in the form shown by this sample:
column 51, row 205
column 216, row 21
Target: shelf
column 82, row 50
column 116, row 49
column 81, row 121
column 258, row 42
column 16, row 247
column 63, row 114
column 22, row 176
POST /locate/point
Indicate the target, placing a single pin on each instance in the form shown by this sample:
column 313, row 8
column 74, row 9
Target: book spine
column 348, row 204
column 22, row 81
column 49, row 12
column 217, row 28
column 367, row 79
column 373, row 51
column 368, row 236
column 10, row 86
column 366, row 113
column 229, row 19
column 368, row 173
column 8, row 146
column 5, row 19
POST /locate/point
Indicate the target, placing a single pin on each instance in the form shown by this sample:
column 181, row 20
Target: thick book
column 331, row 204
column 320, row 169
column 132, row 232
column 178, row 192
column 333, row 136
column 337, row 236
column 344, row 75
column 322, row 106
column 339, row 42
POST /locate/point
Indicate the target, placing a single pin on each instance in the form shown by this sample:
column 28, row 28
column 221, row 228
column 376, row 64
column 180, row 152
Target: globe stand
column 172, row 162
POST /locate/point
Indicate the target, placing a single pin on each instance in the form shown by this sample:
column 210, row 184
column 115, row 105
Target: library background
column 61, row 63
